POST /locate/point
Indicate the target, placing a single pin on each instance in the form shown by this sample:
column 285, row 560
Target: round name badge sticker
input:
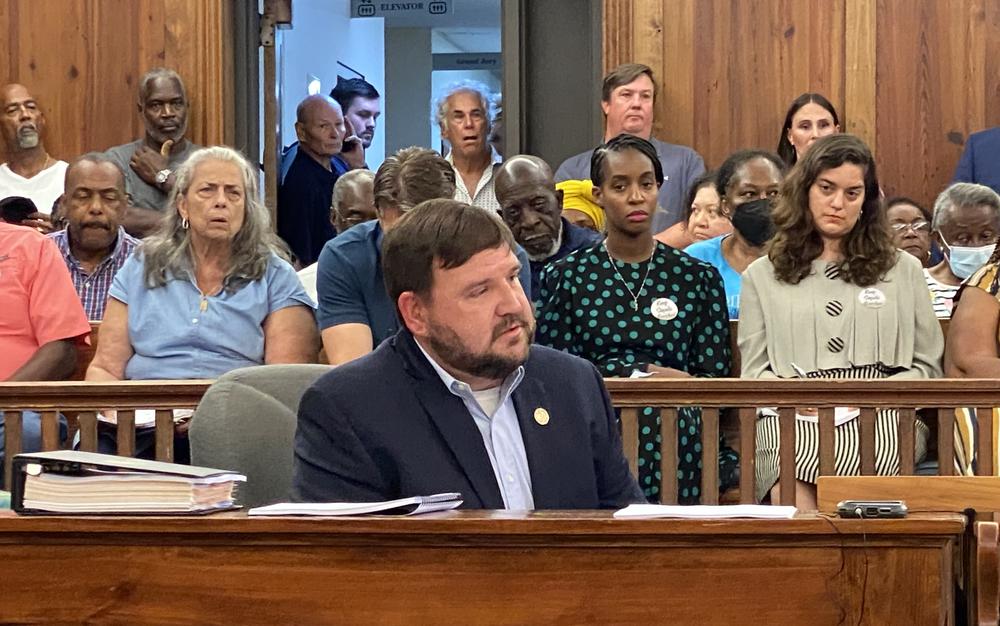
column 872, row 298
column 663, row 309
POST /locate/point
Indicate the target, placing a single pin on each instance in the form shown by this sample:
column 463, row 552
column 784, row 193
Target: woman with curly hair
column 834, row 298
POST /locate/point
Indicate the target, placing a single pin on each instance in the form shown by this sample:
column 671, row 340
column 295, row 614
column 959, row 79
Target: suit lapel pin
column 541, row 416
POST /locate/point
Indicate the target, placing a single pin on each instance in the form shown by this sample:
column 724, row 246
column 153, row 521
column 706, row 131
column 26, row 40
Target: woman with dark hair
column 630, row 304
column 911, row 227
column 703, row 216
column 747, row 181
column 809, row 117
column 832, row 273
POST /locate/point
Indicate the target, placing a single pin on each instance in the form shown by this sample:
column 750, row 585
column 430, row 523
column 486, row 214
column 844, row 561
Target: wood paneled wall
column 912, row 77
column 83, row 59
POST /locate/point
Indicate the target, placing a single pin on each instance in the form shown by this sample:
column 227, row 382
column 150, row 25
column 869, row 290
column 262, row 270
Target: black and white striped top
column 942, row 295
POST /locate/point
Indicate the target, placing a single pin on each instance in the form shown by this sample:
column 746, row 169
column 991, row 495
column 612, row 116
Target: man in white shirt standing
column 464, row 114
column 29, row 171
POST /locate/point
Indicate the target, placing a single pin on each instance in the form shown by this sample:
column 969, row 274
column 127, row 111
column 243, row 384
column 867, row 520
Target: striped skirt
column 847, row 447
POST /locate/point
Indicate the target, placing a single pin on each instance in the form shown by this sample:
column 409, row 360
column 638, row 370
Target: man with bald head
column 305, row 193
column 149, row 163
column 94, row 244
column 30, row 171
column 531, row 206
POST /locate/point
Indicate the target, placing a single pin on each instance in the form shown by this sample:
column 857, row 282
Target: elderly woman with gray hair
column 209, row 292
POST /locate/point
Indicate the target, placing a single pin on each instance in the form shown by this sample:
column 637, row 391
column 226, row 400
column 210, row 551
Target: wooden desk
column 477, row 568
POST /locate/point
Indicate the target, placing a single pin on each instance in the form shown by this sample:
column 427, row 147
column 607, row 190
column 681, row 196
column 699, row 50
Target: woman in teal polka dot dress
column 633, row 304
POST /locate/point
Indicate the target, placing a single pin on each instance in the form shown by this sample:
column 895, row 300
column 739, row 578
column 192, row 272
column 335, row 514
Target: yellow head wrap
column 578, row 195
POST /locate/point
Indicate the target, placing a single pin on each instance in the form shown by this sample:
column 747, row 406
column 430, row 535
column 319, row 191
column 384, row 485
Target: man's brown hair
column 623, row 75
column 412, row 176
column 444, row 233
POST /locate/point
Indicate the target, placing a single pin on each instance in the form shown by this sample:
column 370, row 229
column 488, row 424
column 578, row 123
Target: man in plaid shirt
column 93, row 244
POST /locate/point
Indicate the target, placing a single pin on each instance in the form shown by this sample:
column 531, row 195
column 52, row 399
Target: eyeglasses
column 351, row 219
column 919, row 226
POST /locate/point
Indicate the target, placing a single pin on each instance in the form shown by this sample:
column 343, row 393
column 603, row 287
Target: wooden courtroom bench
column 479, row 567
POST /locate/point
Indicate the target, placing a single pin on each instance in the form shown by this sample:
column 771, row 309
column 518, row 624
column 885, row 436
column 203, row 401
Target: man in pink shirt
column 41, row 320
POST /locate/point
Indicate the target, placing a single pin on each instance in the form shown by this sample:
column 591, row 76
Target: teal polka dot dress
column 587, row 310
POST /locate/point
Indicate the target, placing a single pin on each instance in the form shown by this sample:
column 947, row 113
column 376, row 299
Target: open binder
column 68, row 482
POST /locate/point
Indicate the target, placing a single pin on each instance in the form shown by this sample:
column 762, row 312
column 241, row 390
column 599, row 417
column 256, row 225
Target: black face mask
column 753, row 221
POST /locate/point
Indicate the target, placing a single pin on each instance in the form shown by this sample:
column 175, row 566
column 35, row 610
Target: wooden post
column 276, row 14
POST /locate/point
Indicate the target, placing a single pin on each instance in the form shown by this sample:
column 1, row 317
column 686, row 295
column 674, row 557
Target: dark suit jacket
column 980, row 162
column 385, row 427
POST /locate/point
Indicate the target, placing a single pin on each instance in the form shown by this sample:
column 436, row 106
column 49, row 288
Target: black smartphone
column 16, row 209
column 886, row 509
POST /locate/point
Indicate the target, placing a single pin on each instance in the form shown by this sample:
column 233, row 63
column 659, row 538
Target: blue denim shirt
column 176, row 333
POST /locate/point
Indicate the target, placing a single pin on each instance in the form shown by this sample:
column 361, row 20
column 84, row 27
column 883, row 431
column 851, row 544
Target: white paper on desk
column 403, row 506
column 701, row 511
column 146, row 418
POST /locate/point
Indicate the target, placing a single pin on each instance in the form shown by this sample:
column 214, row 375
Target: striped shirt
column 942, row 295
column 93, row 288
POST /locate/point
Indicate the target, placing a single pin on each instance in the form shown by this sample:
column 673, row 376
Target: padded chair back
column 246, row 423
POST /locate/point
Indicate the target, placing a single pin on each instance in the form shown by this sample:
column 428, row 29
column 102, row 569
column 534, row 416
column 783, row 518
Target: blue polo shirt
column 351, row 287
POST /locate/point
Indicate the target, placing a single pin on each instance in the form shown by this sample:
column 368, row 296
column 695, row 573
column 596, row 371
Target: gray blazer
column 827, row 323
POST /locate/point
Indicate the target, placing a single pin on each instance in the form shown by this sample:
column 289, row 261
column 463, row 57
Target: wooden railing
column 939, row 397
column 80, row 401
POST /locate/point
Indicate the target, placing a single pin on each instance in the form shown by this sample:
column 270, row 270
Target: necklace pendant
column 635, row 305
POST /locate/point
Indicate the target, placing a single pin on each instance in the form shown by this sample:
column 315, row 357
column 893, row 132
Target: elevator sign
column 384, row 8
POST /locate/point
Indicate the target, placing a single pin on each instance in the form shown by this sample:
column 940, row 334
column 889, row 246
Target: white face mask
column 965, row 260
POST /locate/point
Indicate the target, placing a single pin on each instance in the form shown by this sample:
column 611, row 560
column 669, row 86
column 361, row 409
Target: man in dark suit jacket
column 980, row 162
column 458, row 400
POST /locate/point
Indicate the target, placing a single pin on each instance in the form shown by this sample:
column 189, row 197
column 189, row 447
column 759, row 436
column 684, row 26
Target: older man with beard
column 30, row 171
column 458, row 400
column 531, row 206
column 94, row 245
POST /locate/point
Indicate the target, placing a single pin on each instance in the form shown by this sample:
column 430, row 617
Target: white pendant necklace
column 642, row 286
